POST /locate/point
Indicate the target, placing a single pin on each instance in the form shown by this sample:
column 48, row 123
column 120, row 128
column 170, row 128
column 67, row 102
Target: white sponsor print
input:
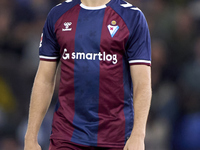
column 101, row 56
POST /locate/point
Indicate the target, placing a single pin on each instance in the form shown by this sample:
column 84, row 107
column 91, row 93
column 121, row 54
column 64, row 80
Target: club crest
column 113, row 28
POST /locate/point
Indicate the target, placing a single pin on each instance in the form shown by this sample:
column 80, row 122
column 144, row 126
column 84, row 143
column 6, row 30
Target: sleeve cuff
column 140, row 62
column 48, row 58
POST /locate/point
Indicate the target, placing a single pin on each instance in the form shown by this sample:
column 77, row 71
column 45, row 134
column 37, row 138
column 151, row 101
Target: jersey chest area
column 91, row 31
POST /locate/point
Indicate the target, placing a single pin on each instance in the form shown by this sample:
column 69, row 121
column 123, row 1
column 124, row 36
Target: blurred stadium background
column 174, row 120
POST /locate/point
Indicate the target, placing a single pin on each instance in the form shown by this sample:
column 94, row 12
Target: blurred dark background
column 174, row 120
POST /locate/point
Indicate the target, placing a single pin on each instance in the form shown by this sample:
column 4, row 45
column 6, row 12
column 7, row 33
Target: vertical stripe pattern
column 111, row 98
column 62, row 126
column 86, row 75
column 128, row 98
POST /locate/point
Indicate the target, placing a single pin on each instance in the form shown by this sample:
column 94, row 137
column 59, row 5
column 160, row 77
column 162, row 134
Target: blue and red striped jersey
column 96, row 46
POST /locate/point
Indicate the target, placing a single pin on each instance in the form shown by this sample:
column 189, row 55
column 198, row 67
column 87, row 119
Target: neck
column 94, row 3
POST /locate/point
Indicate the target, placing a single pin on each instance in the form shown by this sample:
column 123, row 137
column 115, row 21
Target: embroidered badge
column 113, row 28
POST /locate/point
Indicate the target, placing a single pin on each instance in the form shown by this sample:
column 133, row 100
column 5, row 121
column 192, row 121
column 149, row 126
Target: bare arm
column 141, row 78
column 42, row 92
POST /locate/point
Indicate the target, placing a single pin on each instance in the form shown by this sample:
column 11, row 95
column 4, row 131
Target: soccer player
column 104, row 50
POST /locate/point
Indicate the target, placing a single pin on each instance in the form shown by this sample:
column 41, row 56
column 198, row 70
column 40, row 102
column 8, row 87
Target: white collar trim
column 92, row 8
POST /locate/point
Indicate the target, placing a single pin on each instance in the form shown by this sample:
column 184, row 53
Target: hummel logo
column 67, row 25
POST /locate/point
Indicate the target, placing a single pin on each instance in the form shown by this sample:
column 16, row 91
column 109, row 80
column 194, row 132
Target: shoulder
column 131, row 14
column 57, row 11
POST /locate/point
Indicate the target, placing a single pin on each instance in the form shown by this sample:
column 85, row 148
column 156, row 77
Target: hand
column 135, row 143
column 30, row 145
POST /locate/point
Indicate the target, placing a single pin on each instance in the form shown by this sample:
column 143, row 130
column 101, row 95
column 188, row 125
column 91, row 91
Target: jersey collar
column 99, row 7
column 92, row 8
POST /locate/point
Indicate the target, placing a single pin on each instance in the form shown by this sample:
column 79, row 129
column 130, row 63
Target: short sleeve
column 49, row 48
column 139, row 43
